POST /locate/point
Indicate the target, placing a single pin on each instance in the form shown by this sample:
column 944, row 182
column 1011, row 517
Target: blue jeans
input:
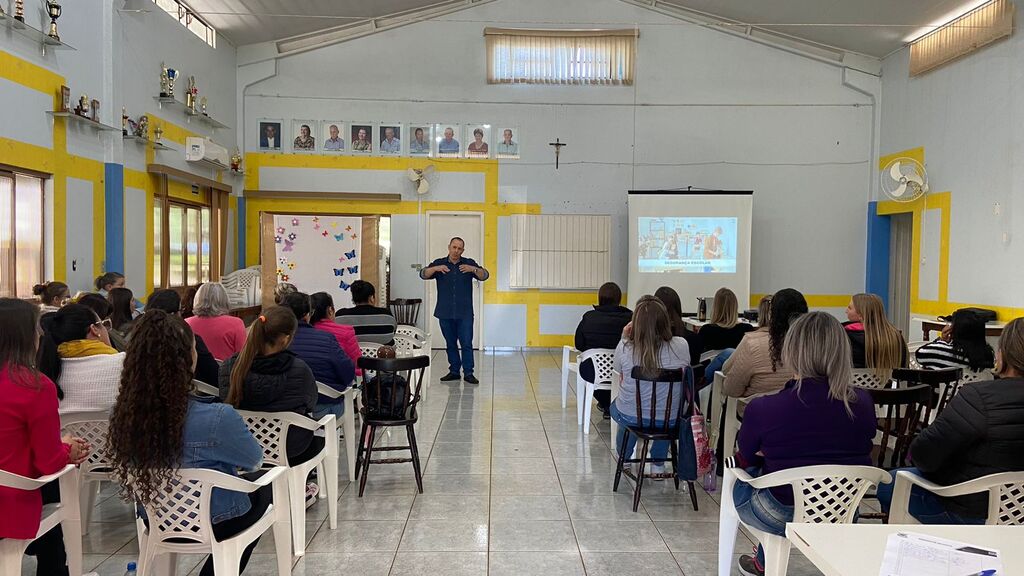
column 716, row 364
column 925, row 506
column 323, row 409
column 760, row 509
column 458, row 332
column 659, row 449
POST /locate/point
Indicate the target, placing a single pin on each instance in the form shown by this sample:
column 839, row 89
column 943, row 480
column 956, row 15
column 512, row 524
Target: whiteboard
column 319, row 254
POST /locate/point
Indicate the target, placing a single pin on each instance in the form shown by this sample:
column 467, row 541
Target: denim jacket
column 216, row 438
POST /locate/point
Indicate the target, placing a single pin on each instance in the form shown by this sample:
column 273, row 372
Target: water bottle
column 131, row 569
column 710, row 478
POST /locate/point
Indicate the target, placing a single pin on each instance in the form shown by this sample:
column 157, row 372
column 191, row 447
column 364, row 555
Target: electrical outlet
column 997, row 209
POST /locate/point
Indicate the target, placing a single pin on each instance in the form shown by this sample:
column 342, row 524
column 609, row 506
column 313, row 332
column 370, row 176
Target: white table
column 695, row 325
column 857, row 549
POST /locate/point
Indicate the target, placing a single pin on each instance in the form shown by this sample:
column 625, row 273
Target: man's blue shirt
column 454, row 289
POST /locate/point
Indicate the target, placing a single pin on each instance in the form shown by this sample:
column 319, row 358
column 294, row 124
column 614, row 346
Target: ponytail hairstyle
column 18, row 340
column 275, row 323
column 121, row 299
column 967, row 335
column 98, row 304
column 51, row 293
column 148, row 420
column 787, row 305
column 884, row 347
column 107, row 279
column 651, row 330
column 764, row 311
column 319, row 302
column 71, row 322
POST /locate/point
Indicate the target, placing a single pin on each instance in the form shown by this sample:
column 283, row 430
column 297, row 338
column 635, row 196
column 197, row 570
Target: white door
column 441, row 228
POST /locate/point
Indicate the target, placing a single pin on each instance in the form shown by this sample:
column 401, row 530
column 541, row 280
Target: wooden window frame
column 13, row 173
column 217, row 241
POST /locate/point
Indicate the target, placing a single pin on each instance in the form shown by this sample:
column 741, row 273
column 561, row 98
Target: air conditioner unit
column 199, row 149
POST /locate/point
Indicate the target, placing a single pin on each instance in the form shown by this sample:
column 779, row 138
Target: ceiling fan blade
column 412, row 175
column 899, row 192
column 895, row 172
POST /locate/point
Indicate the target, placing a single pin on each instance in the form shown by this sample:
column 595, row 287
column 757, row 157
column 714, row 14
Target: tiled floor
column 511, row 486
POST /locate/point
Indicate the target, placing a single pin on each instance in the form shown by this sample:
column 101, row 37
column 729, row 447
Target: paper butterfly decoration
column 317, row 227
column 354, row 236
column 316, row 219
column 339, row 237
column 353, row 269
column 280, row 229
column 287, row 246
column 351, row 254
column 277, row 239
column 344, row 286
column 339, row 271
column 292, row 236
column 325, row 233
column 295, row 221
column 334, row 224
column 348, row 228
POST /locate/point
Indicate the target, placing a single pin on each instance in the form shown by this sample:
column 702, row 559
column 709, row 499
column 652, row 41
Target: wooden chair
column 405, row 310
column 67, row 514
column 567, row 367
column 657, row 426
column 945, row 383
column 1005, row 496
column 179, row 522
column 603, row 360
column 92, row 426
column 903, row 409
column 821, row 495
column 383, row 407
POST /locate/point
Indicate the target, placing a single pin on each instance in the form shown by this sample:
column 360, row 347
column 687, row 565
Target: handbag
column 705, row 455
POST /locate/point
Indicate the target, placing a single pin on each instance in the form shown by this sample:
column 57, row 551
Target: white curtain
column 561, row 57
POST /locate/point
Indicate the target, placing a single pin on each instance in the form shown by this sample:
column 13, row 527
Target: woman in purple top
column 818, row 418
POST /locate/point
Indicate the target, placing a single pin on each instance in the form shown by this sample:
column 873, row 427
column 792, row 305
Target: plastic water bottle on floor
column 131, row 569
column 710, row 478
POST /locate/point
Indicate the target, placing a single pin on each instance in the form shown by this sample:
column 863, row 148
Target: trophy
column 165, row 81
column 202, row 105
column 83, row 106
column 94, row 108
column 124, row 121
column 236, row 161
column 19, row 10
column 190, row 94
column 53, row 9
column 158, row 132
column 142, row 127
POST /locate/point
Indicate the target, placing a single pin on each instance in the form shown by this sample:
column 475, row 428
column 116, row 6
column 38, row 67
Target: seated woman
column 283, row 289
column 962, row 346
column 757, row 365
column 602, row 328
column 648, row 343
column 169, row 301
column 30, row 435
column 224, row 334
column 157, row 425
column 875, row 342
column 978, row 433
column 321, row 352
column 670, row 298
column 268, row 377
column 818, row 418
column 724, row 331
column 321, row 317
column 76, row 355
column 103, row 308
column 52, row 295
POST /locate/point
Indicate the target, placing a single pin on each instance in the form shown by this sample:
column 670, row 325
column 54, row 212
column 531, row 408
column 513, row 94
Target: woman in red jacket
column 30, row 433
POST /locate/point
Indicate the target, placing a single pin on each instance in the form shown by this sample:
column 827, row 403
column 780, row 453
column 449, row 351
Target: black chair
column 405, row 310
column 657, row 426
column 904, row 410
column 389, row 398
column 945, row 384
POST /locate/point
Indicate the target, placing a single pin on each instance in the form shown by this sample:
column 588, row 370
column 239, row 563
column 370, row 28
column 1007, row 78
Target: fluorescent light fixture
column 951, row 16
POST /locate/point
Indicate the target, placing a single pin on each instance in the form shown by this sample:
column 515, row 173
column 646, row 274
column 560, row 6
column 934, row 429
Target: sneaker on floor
column 470, row 379
column 748, row 566
column 312, row 490
column 450, row 377
column 658, row 469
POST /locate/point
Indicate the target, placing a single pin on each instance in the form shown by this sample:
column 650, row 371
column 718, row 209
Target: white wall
column 969, row 117
column 707, row 109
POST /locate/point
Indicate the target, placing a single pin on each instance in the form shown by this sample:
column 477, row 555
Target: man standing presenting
column 454, row 310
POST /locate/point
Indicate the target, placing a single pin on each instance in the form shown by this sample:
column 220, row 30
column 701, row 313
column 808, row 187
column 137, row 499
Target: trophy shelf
column 42, row 38
column 83, row 120
column 146, row 141
column 217, row 166
column 172, row 102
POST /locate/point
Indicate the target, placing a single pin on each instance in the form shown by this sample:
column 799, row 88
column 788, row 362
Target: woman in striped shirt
column 963, row 345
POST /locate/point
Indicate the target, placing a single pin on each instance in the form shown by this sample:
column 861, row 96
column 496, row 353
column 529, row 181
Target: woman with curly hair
column 156, row 417
column 757, row 366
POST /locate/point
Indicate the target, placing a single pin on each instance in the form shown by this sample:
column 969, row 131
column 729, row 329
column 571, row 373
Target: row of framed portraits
column 340, row 137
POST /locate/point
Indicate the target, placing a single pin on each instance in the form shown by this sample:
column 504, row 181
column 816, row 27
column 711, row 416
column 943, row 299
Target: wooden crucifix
column 558, row 149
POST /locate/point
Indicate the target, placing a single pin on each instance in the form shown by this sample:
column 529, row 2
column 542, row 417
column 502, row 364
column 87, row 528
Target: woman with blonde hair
column 224, row 334
column 724, row 329
column 874, row 341
column 817, row 418
column 648, row 343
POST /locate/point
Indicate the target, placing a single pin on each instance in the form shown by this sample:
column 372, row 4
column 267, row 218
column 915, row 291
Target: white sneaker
column 657, row 469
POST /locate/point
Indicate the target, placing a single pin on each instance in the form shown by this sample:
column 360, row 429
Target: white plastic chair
column 613, row 428
column 821, row 495
column 206, row 389
column 975, row 376
column 67, row 514
column 92, row 427
column 731, row 413
column 348, row 427
column 603, row 360
column 714, row 407
column 179, row 522
column 1005, row 496
column 912, row 348
column 421, row 338
column 567, row 367
column 271, row 430
column 868, row 378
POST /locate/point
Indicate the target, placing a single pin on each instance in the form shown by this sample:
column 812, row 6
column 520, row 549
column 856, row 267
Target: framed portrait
column 446, row 141
column 270, row 135
column 478, row 141
column 333, row 137
column 65, row 99
column 389, row 139
column 421, row 142
column 361, row 138
column 506, row 142
column 304, row 134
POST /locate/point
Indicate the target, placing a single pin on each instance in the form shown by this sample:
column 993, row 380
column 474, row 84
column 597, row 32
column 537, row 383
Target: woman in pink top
column 322, row 318
column 224, row 335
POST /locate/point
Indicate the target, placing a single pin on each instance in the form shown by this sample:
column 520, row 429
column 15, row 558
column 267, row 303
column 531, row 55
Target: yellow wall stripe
column 30, row 75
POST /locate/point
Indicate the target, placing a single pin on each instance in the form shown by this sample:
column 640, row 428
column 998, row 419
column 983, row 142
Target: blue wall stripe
column 877, row 280
column 240, row 219
column 114, row 217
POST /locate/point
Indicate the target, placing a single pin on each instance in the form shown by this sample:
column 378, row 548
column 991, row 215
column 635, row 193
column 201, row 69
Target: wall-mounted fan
column 904, row 180
column 421, row 178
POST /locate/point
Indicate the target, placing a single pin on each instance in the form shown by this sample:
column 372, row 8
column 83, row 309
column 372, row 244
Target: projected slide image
column 687, row 244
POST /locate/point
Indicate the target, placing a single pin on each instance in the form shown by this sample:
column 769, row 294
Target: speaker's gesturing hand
column 441, row 270
column 467, row 268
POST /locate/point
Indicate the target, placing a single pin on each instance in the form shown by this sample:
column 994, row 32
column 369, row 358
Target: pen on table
column 984, row 573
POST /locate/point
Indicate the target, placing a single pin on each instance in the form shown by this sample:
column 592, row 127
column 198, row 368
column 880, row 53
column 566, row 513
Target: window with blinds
column 984, row 25
column 560, row 251
column 21, row 234
column 602, row 57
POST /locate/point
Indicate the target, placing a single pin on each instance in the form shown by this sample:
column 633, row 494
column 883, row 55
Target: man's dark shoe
column 470, row 379
column 450, row 377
